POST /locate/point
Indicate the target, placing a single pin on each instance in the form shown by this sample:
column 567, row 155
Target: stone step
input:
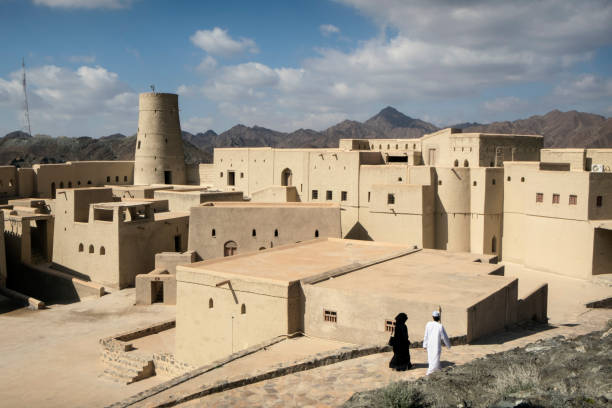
column 117, row 376
column 123, row 361
column 127, row 370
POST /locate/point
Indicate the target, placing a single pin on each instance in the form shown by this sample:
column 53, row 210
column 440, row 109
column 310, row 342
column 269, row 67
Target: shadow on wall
column 358, row 232
column 48, row 288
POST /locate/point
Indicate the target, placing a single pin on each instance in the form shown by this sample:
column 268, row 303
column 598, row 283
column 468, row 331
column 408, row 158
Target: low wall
column 50, row 285
column 534, row 306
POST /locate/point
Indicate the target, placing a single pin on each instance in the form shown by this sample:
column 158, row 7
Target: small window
column 211, row 303
column 467, row 164
column 213, row 233
column 91, row 249
column 494, row 244
column 379, row 147
column 522, row 179
column 414, row 146
column 493, row 181
column 509, row 178
column 396, row 147
column 79, row 183
column 139, row 144
column 329, row 195
column 330, row 316
column 369, row 194
column 599, row 201
column 439, row 182
column 555, row 198
column 456, row 163
column 343, row 195
column 390, row 326
column 474, row 183
column 221, row 174
column 241, row 175
column 254, row 233
column 316, row 233
column 406, row 147
column 491, row 164
column 69, row 184
column 276, row 233
column 388, row 147
column 116, row 179
column 539, row 197
column 243, row 309
column 390, row 198
column 108, row 179
column 399, row 179
column 61, row 184
column 573, row 199
column 124, row 179
column 315, row 194
column 89, row 182
column 102, row 251
column 81, row 248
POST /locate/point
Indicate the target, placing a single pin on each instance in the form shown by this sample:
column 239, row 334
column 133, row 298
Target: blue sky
column 300, row 63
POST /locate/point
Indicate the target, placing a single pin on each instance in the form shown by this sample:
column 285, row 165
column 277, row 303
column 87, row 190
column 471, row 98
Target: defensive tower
column 159, row 146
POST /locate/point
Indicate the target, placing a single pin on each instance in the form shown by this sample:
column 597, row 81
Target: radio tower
column 25, row 97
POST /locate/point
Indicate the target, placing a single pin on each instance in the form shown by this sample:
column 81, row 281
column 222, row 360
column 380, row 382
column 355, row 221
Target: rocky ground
column 555, row 372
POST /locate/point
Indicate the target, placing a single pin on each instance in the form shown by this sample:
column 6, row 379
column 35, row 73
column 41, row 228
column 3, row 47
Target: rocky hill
column 560, row 129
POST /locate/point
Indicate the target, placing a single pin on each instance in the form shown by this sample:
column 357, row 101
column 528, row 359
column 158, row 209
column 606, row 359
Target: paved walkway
column 332, row 385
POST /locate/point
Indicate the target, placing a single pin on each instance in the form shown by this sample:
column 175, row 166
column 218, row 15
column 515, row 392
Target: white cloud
column 65, row 101
column 586, row 86
column 433, row 57
column 82, row 59
column 86, row 4
column 218, row 42
column 208, row 63
column 328, row 29
column 505, row 104
column 196, row 124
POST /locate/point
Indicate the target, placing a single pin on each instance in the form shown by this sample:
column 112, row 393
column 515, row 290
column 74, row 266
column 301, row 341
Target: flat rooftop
column 298, row 261
column 250, row 204
column 429, row 275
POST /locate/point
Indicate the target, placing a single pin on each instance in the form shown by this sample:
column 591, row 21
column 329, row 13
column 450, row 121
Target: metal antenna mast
column 25, row 96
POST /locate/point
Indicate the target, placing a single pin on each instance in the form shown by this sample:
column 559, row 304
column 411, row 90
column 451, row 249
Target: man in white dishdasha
column 432, row 342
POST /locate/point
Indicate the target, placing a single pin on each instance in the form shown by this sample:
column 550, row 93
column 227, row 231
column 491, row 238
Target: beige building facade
column 336, row 289
column 557, row 219
column 111, row 242
column 225, row 228
column 441, row 191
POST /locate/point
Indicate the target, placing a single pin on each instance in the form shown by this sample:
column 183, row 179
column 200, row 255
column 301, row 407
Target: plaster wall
column 361, row 317
column 575, row 157
column 184, row 200
column 207, row 174
column 81, row 174
column 8, row 181
column 275, row 194
column 599, row 156
column 236, row 223
column 26, row 182
column 204, row 333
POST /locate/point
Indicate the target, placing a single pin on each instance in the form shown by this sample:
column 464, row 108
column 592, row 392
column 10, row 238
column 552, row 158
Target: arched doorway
column 286, row 176
column 230, row 248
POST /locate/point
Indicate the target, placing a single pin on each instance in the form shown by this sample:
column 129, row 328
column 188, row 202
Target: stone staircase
column 126, row 367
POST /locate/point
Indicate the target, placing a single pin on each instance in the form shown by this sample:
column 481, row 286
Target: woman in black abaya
column 401, row 344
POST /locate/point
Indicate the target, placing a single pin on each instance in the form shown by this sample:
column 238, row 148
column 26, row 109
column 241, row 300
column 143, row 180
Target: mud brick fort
column 268, row 262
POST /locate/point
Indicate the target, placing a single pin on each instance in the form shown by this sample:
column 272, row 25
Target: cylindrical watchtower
column 160, row 158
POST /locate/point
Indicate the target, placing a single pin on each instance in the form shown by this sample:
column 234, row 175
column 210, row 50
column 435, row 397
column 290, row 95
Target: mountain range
column 560, row 129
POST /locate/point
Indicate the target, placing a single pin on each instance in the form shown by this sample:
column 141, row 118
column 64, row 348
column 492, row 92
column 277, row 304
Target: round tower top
column 158, row 101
